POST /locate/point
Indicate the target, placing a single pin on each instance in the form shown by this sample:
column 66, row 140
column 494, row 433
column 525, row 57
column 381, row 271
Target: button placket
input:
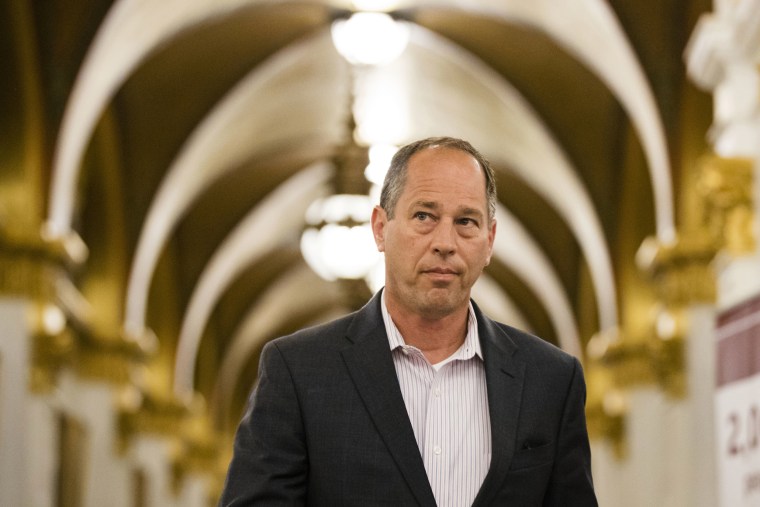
column 435, row 415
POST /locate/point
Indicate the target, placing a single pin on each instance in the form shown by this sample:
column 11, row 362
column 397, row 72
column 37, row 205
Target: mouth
column 441, row 273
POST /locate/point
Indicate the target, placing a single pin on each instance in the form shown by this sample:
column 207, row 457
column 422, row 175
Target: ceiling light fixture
column 370, row 38
column 338, row 242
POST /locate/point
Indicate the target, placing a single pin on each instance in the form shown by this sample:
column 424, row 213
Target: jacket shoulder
column 315, row 336
column 367, row 321
column 536, row 349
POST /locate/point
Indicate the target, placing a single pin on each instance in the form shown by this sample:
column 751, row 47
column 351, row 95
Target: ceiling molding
column 275, row 218
column 242, row 126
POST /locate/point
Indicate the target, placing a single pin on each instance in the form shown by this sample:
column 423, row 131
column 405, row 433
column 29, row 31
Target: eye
column 467, row 221
column 421, row 215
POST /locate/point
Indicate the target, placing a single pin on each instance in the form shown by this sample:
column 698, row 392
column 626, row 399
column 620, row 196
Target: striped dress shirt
column 448, row 408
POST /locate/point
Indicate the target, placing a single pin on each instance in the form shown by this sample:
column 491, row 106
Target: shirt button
column 437, row 392
column 437, row 450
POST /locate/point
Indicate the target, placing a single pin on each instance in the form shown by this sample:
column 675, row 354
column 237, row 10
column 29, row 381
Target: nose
column 443, row 242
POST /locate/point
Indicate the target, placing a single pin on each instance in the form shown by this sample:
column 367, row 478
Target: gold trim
column 196, row 446
column 658, row 359
column 606, row 408
column 112, row 358
column 53, row 344
column 615, row 364
column 724, row 186
column 200, row 452
column 30, row 265
column 142, row 412
column 681, row 272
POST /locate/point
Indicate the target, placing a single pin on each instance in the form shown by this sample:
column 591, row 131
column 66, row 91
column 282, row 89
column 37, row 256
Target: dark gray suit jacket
column 327, row 426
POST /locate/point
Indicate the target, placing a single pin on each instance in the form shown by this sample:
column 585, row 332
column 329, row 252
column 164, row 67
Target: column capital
column 148, row 412
column 724, row 186
column 680, row 271
column 30, row 263
column 112, row 357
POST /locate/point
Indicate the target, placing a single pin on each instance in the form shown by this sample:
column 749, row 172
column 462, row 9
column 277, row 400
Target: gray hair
column 395, row 179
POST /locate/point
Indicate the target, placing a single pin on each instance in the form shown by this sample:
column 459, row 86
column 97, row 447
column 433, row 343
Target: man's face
column 440, row 238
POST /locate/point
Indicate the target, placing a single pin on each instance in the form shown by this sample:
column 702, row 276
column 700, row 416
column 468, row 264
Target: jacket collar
column 504, row 379
column 370, row 365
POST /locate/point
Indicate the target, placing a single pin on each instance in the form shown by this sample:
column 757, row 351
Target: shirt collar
column 469, row 349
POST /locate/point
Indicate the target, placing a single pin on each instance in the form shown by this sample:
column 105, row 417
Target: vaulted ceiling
column 183, row 141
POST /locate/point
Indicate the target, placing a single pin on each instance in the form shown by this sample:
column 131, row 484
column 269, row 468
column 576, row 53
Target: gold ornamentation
column 681, row 272
column 29, row 265
column 196, row 446
column 53, row 344
column 199, row 452
column 606, row 407
column 615, row 364
column 112, row 358
column 724, row 186
column 142, row 412
column 656, row 359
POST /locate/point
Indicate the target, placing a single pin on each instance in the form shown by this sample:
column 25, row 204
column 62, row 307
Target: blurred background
column 182, row 181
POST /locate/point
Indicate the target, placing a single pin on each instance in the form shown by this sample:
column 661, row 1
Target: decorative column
column 723, row 59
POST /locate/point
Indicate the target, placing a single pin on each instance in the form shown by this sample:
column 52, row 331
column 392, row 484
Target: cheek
column 480, row 256
column 405, row 252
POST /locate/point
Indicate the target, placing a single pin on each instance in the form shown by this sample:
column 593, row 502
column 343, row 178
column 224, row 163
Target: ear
column 379, row 220
column 491, row 236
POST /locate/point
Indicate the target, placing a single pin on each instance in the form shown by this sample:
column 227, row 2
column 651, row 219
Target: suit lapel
column 504, row 378
column 370, row 365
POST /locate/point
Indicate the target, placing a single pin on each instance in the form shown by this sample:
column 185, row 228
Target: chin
column 443, row 304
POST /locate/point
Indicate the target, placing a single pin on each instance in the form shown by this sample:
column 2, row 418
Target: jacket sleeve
column 571, row 483
column 269, row 464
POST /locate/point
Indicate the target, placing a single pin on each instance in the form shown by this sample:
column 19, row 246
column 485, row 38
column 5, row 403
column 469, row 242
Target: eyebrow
column 426, row 204
column 466, row 211
column 471, row 212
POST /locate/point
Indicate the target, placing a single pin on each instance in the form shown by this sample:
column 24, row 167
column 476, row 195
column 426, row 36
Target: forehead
column 441, row 173
column 443, row 163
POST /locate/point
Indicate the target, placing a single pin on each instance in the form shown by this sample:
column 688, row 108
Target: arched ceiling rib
column 132, row 30
column 306, row 82
column 514, row 246
column 277, row 216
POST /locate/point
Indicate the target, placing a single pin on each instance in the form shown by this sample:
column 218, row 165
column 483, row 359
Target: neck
column 438, row 337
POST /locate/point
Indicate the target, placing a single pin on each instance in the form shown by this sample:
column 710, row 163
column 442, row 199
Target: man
column 418, row 398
